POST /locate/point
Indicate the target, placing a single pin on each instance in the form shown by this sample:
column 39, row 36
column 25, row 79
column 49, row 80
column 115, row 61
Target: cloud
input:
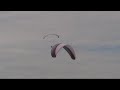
column 95, row 36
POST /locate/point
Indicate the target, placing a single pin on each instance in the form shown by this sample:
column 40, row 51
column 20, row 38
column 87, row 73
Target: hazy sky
column 94, row 35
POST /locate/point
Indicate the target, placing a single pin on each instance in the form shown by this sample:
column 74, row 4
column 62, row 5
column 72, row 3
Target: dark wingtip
column 54, row 56
column 73, row 58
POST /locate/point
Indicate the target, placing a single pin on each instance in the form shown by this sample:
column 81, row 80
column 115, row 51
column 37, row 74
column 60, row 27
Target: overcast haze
column 94, row 35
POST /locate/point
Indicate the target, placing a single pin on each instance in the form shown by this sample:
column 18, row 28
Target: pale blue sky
column 94, row 35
